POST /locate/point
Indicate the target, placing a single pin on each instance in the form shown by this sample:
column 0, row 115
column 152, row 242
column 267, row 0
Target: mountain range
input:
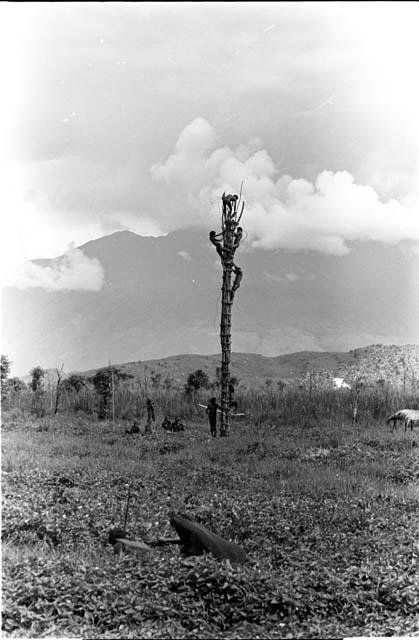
column 161, row 296
column 375, row 364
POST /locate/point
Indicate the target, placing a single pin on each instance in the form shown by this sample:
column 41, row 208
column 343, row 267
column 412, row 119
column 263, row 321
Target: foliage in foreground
column 327, row 516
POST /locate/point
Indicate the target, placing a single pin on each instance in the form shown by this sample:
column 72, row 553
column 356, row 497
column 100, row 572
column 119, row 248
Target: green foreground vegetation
column 326, row 511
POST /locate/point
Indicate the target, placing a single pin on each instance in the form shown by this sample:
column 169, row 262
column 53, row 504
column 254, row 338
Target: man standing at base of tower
column 211, row 411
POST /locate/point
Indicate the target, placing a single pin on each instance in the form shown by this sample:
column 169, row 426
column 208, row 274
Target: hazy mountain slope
column 161, row 296
column 392, row 363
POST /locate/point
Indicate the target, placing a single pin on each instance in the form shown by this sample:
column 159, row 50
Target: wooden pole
column 58, row 387
column 113, row 394
column 231, row 236
column 126, row 509
column 225, row 330
column 113, row 400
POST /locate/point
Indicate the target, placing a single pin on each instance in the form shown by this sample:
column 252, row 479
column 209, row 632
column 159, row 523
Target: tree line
column 105, row 384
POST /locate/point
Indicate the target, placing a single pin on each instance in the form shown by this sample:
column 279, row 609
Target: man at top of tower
column 229, row 203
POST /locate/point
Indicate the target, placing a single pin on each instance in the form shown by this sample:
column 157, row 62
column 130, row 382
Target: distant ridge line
column 373, row 362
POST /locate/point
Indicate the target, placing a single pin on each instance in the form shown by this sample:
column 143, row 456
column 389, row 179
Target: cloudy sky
column 138, row 116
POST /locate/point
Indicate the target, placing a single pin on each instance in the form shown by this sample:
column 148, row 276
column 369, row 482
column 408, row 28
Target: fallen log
column 116, row 533
column 123, row 545
column 197, row 539
column 162, row 542
column 119, row 538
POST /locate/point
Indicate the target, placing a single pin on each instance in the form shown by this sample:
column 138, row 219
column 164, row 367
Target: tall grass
column 305, row 407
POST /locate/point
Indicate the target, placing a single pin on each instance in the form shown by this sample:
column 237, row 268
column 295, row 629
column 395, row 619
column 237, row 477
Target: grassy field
column 326, row 511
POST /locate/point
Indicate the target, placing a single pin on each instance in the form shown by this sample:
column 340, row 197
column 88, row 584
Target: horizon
column 214, row 355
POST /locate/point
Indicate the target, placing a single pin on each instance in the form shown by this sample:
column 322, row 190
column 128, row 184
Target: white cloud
column 90, row 175
column 184, row 165
column 74, row 271
column 281, row 212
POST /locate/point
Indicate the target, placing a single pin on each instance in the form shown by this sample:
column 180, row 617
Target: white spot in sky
column 185, row 255
column 73, row 114
column 271, row 26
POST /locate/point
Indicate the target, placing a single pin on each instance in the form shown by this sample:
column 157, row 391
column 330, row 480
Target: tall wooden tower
column 226, row 242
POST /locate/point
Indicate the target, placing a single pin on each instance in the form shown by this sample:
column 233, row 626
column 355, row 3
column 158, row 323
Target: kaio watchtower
column 226, row 243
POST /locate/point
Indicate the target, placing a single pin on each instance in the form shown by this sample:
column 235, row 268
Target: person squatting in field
column 166, row 424
column 175, row 426
column 211, row 412
column 178, row 425
column 133, row 429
